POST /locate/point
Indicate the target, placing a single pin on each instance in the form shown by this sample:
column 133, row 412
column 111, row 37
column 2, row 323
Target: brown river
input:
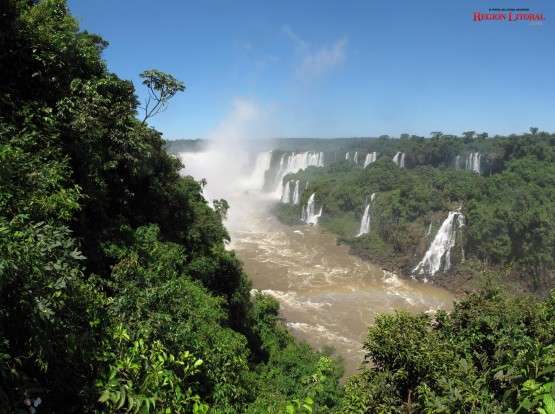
column 327, row 296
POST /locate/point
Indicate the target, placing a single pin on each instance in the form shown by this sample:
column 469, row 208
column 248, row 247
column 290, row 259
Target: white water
column 473, row 162
column 440, row 249
column 399, row 159
column 309, row 215
column 292, row 163
column 296, row 196
column 355, row 158
column 370, row 158
column 286, row 197
column 365, row 222
column 262, row 165
column 347, row 156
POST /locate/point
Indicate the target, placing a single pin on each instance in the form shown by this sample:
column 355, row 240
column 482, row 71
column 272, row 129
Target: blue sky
column 330, row 68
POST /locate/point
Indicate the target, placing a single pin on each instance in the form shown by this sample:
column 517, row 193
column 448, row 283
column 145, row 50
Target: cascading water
column 355, row 158
column 292, row 163
column 347, row 156
column 365, row 222
column 458, row 162
column 441, row 246
column 262, row 165
column 366, row 217
column 399, row 159
column 286, row 197
column 309, row 216
column 296, row 198
column 473, row 162
column 370, row 158
column 429, row 231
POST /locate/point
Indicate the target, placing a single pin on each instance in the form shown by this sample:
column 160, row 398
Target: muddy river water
column 327, row 296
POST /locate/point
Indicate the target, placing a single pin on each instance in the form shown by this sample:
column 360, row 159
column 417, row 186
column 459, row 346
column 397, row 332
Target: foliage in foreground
column 491, row 354
column 116, row 291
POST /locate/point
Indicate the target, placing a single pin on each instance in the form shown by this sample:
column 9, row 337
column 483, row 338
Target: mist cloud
column 247, row 120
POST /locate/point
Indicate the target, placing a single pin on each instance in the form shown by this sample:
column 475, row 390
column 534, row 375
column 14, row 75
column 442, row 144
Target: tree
column 161, row 87
column 469, row 135
column 533, row 131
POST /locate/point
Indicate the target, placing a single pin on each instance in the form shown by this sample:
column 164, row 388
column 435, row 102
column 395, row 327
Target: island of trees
column 117, row 295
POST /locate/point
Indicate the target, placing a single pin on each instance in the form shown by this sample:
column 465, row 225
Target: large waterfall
column 309, row 215
column 370, row 158
column 292, row 163
column 355, row 158
column 262, row 165
column 441, row 246
column 399, row 159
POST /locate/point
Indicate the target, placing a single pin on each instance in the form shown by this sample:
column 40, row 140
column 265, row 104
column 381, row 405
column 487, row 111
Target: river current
column 327, row 296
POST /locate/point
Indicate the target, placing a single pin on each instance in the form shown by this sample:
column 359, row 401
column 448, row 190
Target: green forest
column 118, row 296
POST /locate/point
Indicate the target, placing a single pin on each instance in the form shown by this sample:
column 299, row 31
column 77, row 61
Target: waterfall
column 262, row 165
column 458, row 162
column 286, row 196
column 399, row 159
column 347, row 156
column 370, row 158
column 441, row 246
column 308, row 213
column 429, row 231
column 296, row 193
column 365, row 222
column 355, row 158
column 473, row 162
column 292, row 163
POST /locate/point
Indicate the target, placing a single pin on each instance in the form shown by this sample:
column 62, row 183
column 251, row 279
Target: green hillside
column 508, row 206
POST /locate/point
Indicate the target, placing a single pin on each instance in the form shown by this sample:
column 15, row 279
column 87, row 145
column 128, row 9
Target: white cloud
column 324, row 60
column 300, row 45
column 319, row 62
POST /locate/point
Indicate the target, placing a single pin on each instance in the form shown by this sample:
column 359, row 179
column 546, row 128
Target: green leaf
column 549, row 403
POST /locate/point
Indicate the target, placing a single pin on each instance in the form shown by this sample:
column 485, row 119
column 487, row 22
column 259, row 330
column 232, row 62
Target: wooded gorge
column 117, row 293
column 504, row 187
